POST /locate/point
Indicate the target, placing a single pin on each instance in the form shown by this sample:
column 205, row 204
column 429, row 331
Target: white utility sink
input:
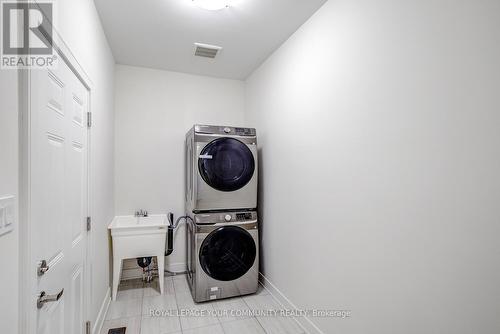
column 138, row 237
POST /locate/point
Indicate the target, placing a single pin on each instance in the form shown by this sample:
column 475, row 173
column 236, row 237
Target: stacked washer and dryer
column 221, row 199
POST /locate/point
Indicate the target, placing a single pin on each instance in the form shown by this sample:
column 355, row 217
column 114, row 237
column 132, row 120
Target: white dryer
column 221, row 171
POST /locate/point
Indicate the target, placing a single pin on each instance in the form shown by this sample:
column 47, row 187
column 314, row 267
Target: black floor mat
column 120, row 330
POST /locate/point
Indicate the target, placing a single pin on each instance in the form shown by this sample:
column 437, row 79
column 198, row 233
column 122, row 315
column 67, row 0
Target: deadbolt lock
column 42, row 268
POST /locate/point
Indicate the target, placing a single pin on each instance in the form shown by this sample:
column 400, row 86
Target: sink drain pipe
column 145, row 262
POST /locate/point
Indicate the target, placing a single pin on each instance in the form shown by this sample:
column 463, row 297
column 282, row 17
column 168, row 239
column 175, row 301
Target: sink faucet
column 141, row 213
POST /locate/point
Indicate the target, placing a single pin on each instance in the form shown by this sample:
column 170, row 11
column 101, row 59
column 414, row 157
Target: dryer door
column 226, row 164
column 227, row 253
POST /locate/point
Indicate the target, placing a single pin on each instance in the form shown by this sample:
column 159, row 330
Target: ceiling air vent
column 206, row 50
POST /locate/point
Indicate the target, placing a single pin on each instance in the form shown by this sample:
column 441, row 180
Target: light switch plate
column 7, row 214
column 2, row 217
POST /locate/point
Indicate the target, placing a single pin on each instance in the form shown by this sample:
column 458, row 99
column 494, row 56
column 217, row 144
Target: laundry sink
column 123, row 225
column 134, row 237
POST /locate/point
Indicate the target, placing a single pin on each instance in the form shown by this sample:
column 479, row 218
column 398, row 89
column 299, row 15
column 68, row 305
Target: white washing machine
column 223, row 255
column 221, row 168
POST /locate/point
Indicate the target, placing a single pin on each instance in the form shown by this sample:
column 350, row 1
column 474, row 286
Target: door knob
column 45, row 298
column 42, row 268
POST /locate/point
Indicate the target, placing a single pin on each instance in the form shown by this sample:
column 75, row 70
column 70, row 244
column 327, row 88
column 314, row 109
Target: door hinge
column 87, row 327
column 89, row 223
column 89, row 119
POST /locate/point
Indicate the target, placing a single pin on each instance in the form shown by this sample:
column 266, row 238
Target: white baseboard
column 176, row 267
column 102, row 313
column 307, row 325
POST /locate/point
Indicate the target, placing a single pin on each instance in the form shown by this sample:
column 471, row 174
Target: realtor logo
column 27, row 35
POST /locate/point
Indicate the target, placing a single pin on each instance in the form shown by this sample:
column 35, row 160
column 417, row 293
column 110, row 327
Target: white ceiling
column 160, row 33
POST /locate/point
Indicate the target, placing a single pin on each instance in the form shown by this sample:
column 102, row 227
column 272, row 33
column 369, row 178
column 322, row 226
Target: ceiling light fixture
column 212, row 4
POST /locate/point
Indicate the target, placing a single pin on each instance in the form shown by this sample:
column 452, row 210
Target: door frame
column 27, row 320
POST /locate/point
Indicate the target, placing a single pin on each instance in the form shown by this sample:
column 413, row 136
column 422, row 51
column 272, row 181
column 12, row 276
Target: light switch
column 2, row 217
column 7, row 214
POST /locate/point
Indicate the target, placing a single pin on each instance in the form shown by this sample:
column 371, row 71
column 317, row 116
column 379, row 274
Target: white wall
column 379, row 137
column 154, row 110
column 9, row 254
column 80, row 26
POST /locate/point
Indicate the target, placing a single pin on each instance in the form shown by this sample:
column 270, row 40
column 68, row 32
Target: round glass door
column 226, row 164
column 227, row 253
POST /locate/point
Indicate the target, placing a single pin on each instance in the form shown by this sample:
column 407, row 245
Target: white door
column 58, row 198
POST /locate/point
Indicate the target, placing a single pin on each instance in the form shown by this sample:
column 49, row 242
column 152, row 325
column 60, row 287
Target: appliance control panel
column 243, row 216
column 244, row 131
column 224, row 217
column 225, row 130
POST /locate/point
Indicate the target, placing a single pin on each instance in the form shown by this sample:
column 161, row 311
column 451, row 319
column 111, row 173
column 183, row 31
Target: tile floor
column 135, row 300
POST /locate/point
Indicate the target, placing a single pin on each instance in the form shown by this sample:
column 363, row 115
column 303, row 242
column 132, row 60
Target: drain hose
column 169, row 246
column 170, row 241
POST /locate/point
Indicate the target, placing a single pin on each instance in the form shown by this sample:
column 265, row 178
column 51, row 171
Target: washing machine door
column 226, row 164
column 227, row 253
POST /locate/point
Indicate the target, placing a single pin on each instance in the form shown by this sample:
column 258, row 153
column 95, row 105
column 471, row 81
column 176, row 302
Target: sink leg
column 161, row 271
column 117, row 268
